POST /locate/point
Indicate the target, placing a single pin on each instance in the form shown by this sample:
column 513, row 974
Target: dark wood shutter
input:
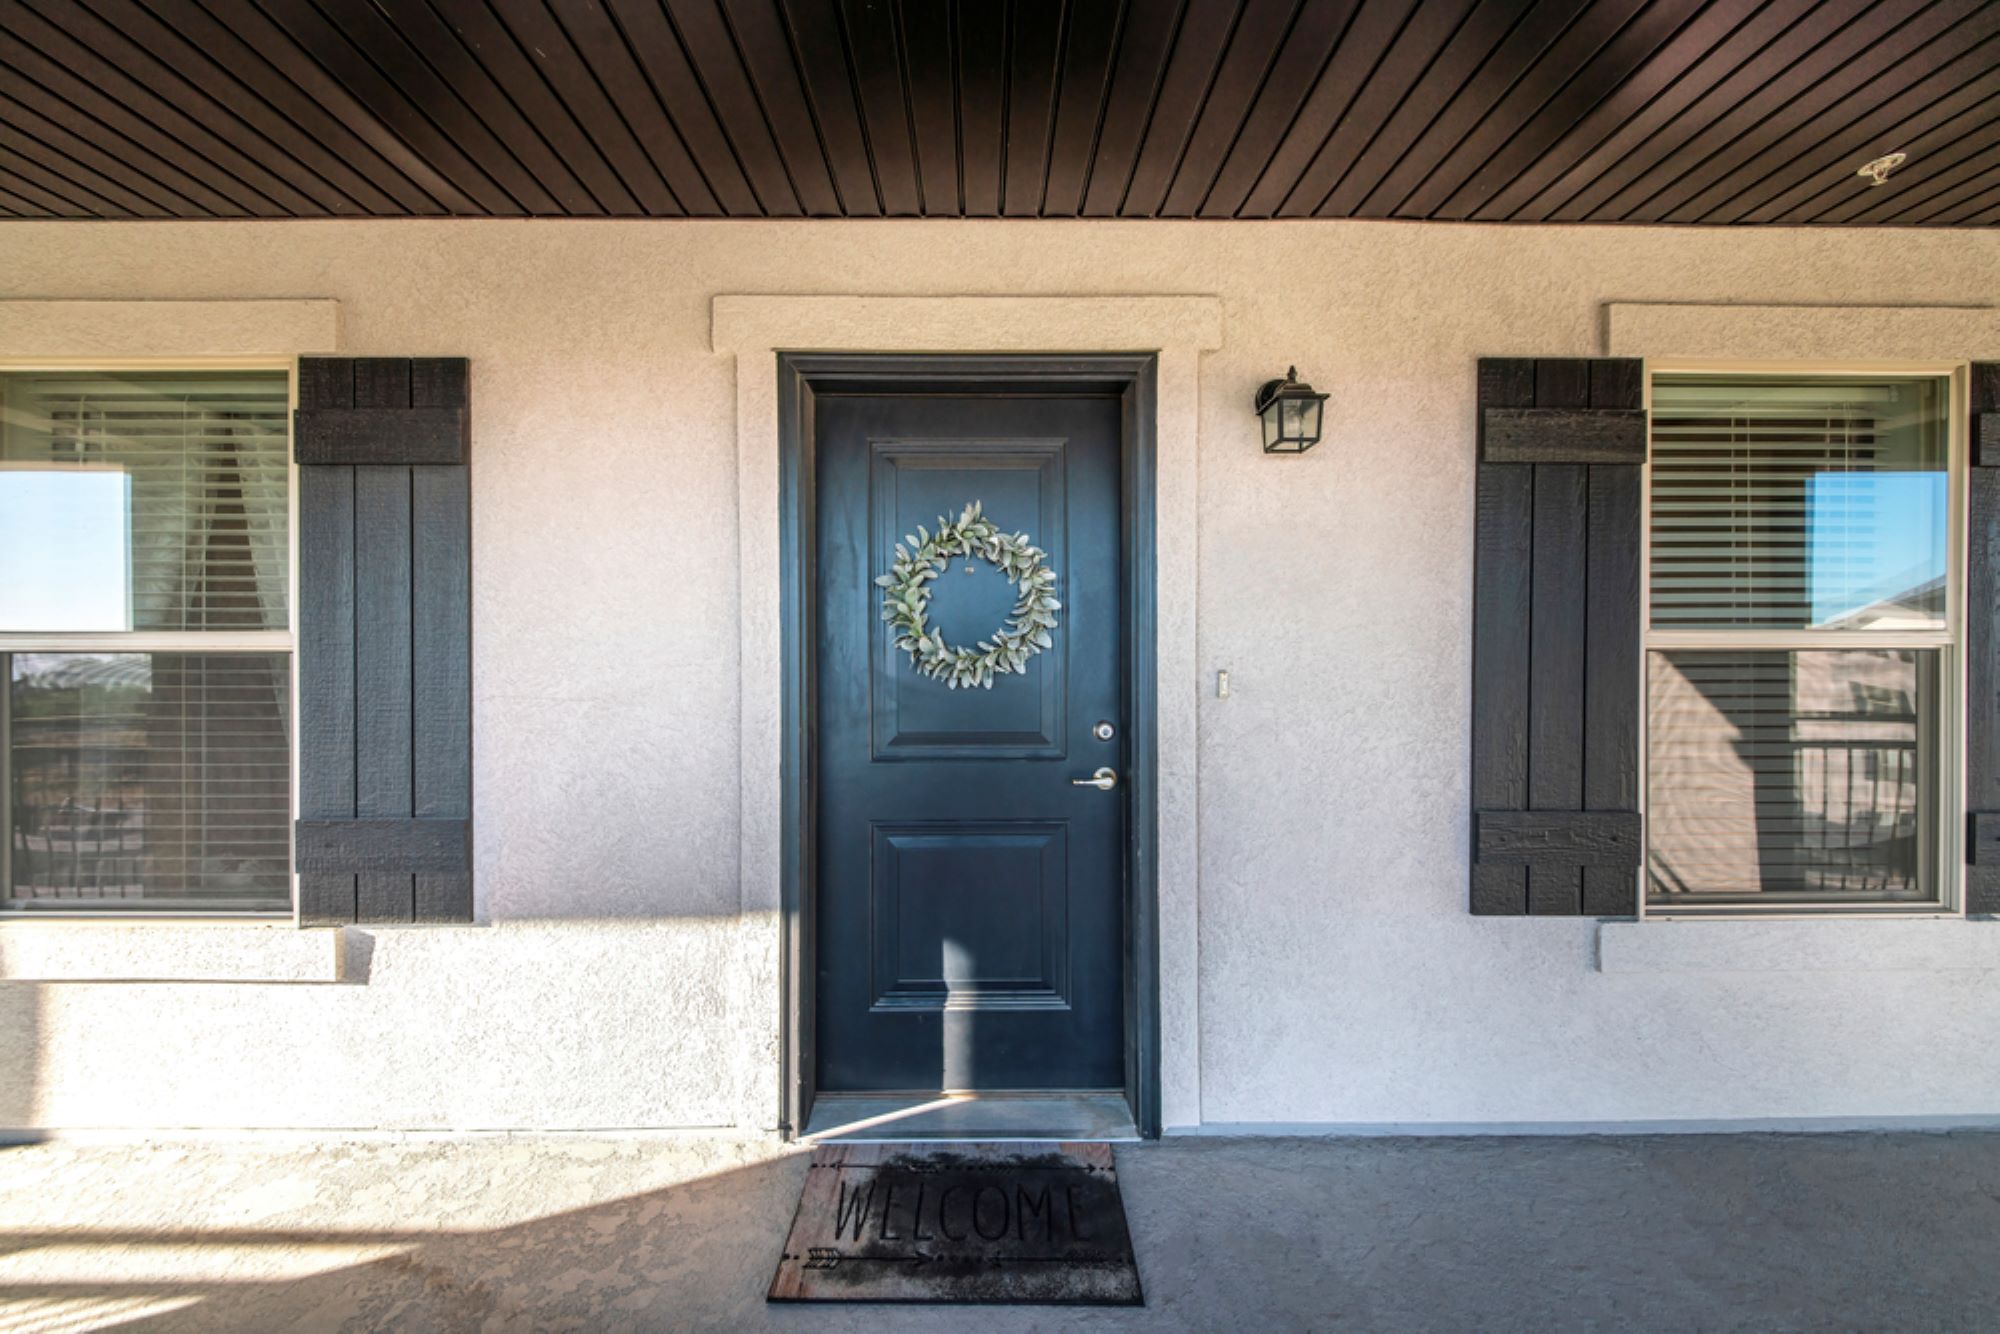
column 1982, row 646
column 385, row 662
column 1555, row 639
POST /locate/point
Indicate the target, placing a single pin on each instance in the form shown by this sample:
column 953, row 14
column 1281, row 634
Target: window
column 1800, row 652
column 145, row 641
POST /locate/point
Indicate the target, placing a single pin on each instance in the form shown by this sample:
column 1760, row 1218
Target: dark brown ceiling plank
column 149, row 85
column 1626, row 183
column 1813, row 164
column 1876, row 63
column 60, row 87
column 1919, row 186
column 1145, row 40
column 1987, row 216
column 875, row 46
column 758, row 33
column 206, row 89
column 1300, row 63
column 265, row 56
column 1204, row 36
column 599, row 75
column 1839, row 182
column 1966, row 181
column 1870, row 91
column 1368, row 38
column 1420, row 42
column 465, row 45
column 786, row 184
column 659, row 175
column 1592, row 62
column 683, row 91
column 60, row 178
column 375, row 63
column 1260, row 35
column 33, row 149
column 928, row 55
column 35, row 197
column 35, row 100
column 1685, row 65
column 1964, row 201
column 820, row 54
column 1086, row 83
column 1035, row 53
column 124, row 169
column 53, row 59
column 982, row 33
column 1492, row 56
column 23, row 208
column 1971, row 212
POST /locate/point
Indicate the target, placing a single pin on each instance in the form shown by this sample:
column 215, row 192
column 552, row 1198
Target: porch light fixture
column 1291, row 413
column 1877, row 172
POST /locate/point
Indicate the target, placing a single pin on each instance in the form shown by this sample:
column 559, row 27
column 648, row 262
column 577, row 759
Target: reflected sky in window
column 1877, row 549
column 65, row 549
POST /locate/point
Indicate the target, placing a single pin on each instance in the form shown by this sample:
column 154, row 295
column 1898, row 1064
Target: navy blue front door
column 970, row 895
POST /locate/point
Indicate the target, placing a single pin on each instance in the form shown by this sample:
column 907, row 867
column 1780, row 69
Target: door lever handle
column 1103, row 780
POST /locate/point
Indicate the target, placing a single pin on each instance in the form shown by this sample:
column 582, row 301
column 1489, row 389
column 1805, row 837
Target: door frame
column 802, row 376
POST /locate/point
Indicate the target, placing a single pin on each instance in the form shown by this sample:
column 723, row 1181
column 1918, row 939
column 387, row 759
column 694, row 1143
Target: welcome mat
column 1006, row 1223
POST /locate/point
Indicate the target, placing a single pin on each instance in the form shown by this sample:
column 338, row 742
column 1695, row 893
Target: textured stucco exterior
column 1328, row 970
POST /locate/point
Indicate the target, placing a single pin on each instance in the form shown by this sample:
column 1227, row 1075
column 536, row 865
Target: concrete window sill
column 1849, row 945
column 166, row 951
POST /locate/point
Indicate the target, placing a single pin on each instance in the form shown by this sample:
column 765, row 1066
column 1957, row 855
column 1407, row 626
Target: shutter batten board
column 1556, row 643
column 1564, row 435
column 385, row 641
column 385, row 847
column 384, row 436
column 1599, row 840
column 1982, row 648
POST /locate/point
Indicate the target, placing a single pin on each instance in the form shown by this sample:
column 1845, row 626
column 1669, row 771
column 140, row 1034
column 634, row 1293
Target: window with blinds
column 1780, row 504
column 144, row 502
column 145, row 645
column 1799, row 633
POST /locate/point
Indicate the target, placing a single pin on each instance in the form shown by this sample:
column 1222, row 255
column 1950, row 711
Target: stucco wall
column 1339, row 979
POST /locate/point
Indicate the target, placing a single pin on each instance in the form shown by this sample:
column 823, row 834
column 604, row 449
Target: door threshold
column 917, row 1117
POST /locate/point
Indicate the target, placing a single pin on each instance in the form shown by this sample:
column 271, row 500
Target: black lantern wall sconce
column 1291, row 412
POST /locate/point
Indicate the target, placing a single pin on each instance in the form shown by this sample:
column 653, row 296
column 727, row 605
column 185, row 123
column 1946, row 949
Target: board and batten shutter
column 1982, row 645
column 385, row 664
column 1555, row 640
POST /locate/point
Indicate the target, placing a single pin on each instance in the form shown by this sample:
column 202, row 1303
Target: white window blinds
column 144, row 501
column 144, row 781
column 1775, row 774
column 1784, row 504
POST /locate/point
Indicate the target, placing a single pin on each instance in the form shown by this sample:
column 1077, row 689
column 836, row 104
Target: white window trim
column 1951, row 684
column 275, row 641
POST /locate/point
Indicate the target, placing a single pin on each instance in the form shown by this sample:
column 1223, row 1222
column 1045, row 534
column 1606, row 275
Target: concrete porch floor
column 1762, row 1232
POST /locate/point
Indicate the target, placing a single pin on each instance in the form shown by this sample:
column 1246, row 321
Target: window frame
column 1948, row 643
column 176, row 641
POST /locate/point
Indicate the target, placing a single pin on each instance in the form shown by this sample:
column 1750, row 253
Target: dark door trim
column 802, row 377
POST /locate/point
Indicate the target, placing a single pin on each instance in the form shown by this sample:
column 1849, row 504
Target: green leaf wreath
column 906, row 599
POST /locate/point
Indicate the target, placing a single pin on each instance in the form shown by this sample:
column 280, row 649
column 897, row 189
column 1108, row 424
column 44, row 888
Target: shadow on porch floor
column 495, row 1234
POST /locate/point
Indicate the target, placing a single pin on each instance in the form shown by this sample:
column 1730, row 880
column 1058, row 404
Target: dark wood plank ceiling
column 1638, row 111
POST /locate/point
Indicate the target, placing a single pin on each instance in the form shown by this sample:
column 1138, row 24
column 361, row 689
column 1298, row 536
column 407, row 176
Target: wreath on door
column 906, row 598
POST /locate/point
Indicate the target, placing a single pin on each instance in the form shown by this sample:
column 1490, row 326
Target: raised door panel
column 1020, row 486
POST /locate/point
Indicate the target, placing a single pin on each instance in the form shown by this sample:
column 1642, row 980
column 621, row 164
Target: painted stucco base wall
column 620, row 973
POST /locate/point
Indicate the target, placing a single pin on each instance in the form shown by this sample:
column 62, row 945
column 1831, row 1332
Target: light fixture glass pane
column 1778, row 776
column 1297, row 419
column 144, row 501
column 1795, row 502
column 148, row 781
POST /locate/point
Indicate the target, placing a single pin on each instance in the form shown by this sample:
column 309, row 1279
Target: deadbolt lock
column 1103, row 731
